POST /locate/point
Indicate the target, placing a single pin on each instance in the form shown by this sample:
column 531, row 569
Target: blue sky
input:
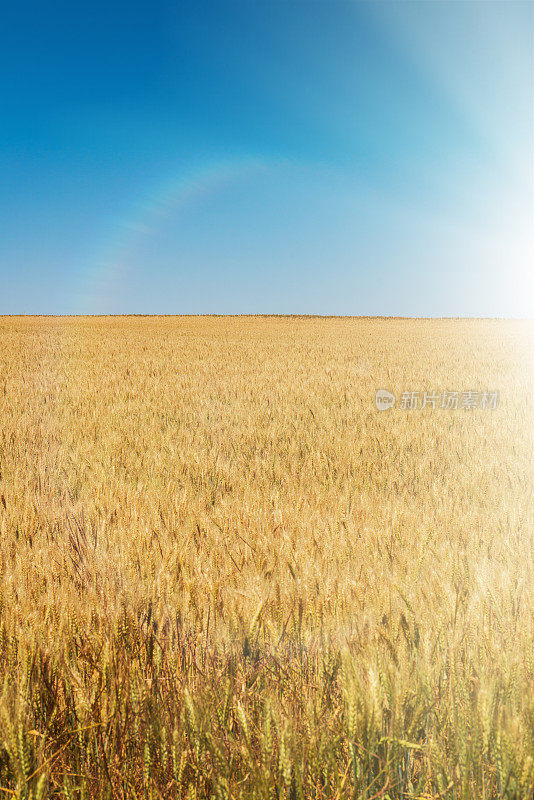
column 267, row 156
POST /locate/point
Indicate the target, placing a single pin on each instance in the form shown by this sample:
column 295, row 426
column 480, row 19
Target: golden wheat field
column 225, row 574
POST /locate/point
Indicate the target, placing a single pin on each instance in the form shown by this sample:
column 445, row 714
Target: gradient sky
column 267, row 156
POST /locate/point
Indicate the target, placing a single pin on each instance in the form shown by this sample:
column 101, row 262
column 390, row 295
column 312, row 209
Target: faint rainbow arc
column 100, row 278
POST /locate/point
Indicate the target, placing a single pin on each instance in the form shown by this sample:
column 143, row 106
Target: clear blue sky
column 267, row 156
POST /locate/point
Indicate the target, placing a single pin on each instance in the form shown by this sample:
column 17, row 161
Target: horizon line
column 270, row 316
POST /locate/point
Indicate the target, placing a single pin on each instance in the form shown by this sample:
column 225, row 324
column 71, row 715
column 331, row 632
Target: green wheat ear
column 222, row 788
column 226, row 705
column 164, row 748
column 192, row 792
column 67, row 789
column 178, row 764
column 527, row 776
column 267, row 743
column 243, row 720
column 23, row 751
column 12, row 746
column 255, row 620
column 147, row 763
column 41, row 787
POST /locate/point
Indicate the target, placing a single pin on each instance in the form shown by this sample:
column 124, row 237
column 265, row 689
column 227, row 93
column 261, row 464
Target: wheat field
column 225, row 574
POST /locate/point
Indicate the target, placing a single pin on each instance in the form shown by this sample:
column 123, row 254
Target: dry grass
column 225, row 574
